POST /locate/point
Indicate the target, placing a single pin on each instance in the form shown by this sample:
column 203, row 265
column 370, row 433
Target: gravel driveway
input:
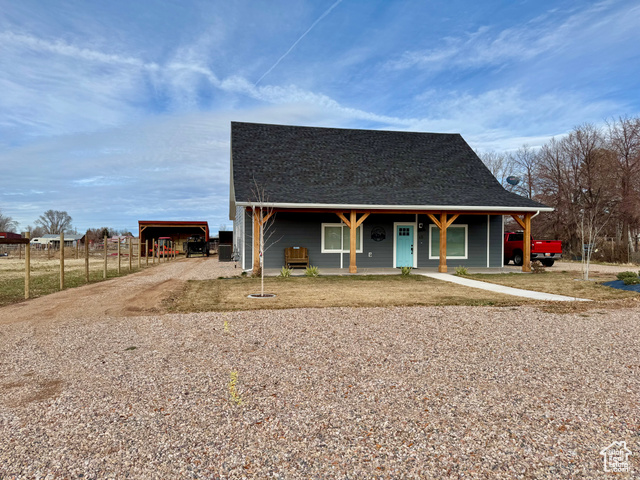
column 412, row 392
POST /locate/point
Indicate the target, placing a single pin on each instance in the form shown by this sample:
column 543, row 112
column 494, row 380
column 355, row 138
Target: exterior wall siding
column 497, row 238
column 248, row 241
column 305, row 230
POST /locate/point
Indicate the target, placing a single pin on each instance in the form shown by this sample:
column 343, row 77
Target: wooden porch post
column 256, row 242
column 442, row 267
column 526, row 248
column 526, row 240
column 352, row 243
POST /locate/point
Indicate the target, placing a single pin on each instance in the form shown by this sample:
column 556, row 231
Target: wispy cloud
column 598, row 24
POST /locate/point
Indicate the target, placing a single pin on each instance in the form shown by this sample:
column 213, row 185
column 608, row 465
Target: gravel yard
column 409, row 392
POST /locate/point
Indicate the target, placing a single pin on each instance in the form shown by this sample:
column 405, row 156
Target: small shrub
column 405, row 271
column 244, row 274
column 285, row 272
column 537, row 267
column 461, row 271
column 311, row 272
column 623, row 275
column 631, row 280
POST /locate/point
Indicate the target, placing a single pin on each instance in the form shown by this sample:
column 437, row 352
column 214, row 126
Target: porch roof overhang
column 506, row 210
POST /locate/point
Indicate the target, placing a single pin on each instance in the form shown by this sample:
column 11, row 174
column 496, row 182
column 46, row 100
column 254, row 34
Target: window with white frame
column 336, row 238
column 457, row 242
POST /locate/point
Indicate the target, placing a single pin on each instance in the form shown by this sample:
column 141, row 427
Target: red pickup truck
column 547, row 251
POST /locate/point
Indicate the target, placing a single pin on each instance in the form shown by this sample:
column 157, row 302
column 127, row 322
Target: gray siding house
column 367, row 198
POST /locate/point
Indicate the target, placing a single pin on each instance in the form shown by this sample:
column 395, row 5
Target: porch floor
column 299, row 272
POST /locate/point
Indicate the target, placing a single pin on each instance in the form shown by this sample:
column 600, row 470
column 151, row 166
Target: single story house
column 375, row 199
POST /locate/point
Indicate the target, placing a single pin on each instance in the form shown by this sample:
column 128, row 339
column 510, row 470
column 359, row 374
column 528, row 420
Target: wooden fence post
column 61, row 260
column 139, row 253
column 130, row 253
column 77, row 249
column 104, row 274
column 27, row 267
column 86, row 258
column 118, row 255
column 153, row 252
column 146, row 251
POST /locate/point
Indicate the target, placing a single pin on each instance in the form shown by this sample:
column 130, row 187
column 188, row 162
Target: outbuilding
column 177, row 231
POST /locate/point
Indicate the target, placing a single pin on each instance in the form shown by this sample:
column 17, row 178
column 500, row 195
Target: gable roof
column 333, row 167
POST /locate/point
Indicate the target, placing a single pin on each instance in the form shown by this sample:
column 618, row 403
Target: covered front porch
column 425, row 232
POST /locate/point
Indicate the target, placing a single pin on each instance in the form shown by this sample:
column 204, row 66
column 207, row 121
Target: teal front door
column 404, row 246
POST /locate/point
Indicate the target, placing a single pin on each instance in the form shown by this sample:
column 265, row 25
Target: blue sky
column 120, row 111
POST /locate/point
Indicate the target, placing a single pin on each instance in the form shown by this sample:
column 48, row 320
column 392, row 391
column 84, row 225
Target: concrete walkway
column 467, row 282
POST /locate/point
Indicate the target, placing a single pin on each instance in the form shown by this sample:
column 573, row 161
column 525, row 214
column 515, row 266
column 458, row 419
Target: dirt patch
column 23, row 392
column 141, row 293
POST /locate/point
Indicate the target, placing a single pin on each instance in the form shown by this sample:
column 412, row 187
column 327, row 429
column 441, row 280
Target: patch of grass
column 561, row 283
column 331, row 291
column 45, row 277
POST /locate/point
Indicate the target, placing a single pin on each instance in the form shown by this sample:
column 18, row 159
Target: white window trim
column 433, row 227
column 415, row 241
column 341, row 224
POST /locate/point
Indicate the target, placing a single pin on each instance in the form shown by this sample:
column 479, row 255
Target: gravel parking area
column 414, row 392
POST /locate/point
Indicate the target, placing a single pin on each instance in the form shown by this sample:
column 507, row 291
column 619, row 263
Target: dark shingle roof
column 309, row 165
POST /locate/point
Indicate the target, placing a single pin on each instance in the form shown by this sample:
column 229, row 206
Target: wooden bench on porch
column 296, row 257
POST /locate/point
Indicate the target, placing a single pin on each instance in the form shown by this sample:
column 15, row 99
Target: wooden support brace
column 344, row 219
column 519, row 220
column 434, row 220
column 362, row 219
column 451, row 220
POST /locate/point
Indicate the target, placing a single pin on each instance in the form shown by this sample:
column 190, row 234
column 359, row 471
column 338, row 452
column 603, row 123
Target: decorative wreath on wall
column 378, row 234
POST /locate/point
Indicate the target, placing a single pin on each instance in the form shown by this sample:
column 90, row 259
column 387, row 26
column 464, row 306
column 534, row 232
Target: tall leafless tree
column 623, row 138
column 7, row 224
column 54, row 221
column 265, row 215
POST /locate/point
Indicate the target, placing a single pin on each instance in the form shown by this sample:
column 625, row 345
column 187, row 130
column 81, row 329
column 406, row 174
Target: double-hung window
column 336, row 238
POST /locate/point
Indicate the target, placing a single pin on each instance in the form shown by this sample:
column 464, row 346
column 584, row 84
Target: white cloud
column 603, row 23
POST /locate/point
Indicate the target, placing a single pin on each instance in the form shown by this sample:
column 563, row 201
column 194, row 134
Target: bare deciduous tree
column 623, row 138
column 264, row 217
column 7, row 224
column 54, row 221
